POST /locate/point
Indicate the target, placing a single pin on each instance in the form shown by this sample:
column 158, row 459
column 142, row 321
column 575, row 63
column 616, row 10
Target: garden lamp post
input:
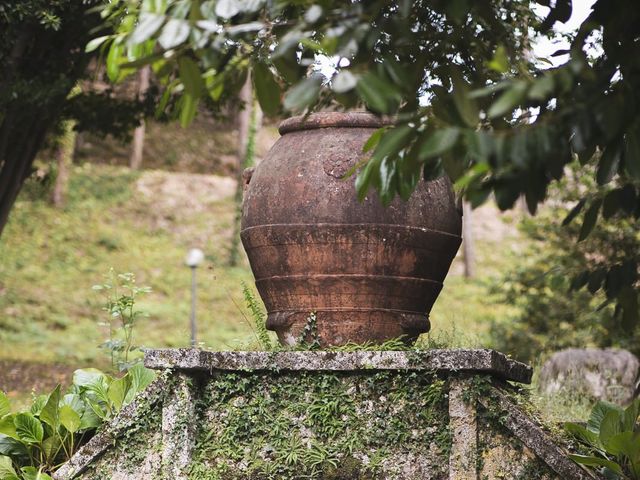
column 193, row 259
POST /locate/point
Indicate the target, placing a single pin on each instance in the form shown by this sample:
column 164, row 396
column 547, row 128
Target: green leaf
column 6, row 468
column 193, row 85
column 174, row 33
column 154, row 6
column 188, row 109
column 97, row 410
column 32, row 473
column 582, row 434
column 598, row 413
column 92, row 380
column 379, row 95
column 149, row 24
column 50, row 413
column 478, row 171
column 140, row 378
column 393, row 140
column 5, row 406
column 267, row 89
column 610, row 426
column 373, row 140
column 387, row 173
column 466, row 106
column 7, row 427
column 95, row 43
column 190, row 77
column 500, row 60
column 114, row 58
column 508, row 100
column 303, row 94
column 117, row 391
column 623, row 443
column 608, row 164
column 28, row 428
column 575, row 211
column 12, row 447
column 70, row 419
column 364, row 180
column 630, row 415
column 590, row 219
column 86, row 377
column 592, row 461
column 74, row 401
column 38, row 404
column 89, row 419
column 432, row 169
column 438, row 143
column 51, row 447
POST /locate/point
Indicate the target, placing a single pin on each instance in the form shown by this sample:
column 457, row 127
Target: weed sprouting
column 121, row 293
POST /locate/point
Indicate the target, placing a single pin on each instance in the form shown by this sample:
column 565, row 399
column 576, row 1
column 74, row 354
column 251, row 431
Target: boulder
column 604, row 374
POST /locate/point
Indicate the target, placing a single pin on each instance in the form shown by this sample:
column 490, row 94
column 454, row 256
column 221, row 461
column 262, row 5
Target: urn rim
column 333, row 119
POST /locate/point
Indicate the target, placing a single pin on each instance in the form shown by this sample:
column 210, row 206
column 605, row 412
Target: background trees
column 42, row 52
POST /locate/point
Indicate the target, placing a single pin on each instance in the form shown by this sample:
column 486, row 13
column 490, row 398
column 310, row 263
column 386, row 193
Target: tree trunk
column 468, row 244
column 246, row 142
column 64, row 160
column 43, row 66
column 135, row 161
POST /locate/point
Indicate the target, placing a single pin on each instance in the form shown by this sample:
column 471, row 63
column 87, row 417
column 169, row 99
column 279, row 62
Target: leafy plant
column 35, row 442
column 308, row 339
column 613, row 436
column 121, row 295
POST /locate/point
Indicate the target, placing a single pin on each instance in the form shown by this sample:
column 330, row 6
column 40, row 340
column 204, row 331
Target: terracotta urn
column 367, row 272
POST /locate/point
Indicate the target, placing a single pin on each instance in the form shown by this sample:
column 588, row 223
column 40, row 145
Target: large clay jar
column 369, row 273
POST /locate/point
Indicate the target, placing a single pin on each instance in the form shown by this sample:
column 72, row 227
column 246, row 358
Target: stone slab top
column 483, row 361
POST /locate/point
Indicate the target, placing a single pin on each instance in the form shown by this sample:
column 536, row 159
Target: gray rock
column 608, row 374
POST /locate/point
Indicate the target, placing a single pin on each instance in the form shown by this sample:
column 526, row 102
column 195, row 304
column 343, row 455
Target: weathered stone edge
column 113, row 429
column 440, row 360
column 535, row 438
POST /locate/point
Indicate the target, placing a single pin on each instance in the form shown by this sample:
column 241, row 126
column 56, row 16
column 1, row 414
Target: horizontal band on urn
column 333, row 120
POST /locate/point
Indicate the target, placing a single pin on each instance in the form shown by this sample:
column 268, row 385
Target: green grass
column 49, row 259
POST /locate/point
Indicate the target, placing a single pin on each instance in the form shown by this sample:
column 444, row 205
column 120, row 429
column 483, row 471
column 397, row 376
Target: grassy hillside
column 144, row 223
column 49, row 260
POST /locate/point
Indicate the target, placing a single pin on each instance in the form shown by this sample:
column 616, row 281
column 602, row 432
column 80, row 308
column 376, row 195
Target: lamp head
column 194, row 257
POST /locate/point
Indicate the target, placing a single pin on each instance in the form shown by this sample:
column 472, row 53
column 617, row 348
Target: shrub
column 566, row 292
column 35, row 442
column 612, row 436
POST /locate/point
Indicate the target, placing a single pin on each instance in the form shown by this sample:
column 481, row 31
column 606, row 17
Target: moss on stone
column 320, row 425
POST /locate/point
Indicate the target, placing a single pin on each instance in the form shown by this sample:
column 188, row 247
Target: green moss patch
column 322, row 425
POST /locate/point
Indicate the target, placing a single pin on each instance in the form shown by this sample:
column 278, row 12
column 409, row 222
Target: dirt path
column 18, row 379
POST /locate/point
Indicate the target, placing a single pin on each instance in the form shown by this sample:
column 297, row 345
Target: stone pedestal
column 438, row 414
